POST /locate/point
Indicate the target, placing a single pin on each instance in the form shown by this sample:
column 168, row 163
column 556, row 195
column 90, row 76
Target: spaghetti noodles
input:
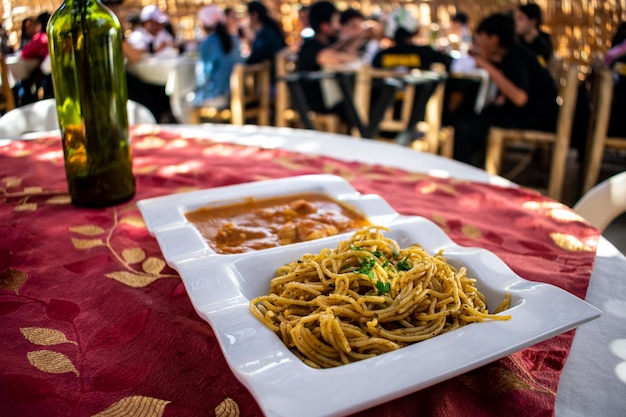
column 366, row 297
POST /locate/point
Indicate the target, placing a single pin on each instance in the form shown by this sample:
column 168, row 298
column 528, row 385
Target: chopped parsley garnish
column 403, row 265
column 378, row 254
column 383, row 287
column 352, row 247
column 366, row 267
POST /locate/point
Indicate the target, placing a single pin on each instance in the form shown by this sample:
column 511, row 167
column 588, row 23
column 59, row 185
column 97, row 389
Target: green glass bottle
column 85, row 43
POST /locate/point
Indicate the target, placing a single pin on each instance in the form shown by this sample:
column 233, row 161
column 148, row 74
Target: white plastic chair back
column 603, row 203
column 139, row 114
column 41, row 116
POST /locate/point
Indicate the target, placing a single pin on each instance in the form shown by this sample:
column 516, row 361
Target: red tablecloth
column 94, row 323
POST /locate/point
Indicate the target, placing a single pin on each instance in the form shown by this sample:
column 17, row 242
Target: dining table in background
column 19, row 68
column 176, row 73
column 338, row 87
column 95, row 323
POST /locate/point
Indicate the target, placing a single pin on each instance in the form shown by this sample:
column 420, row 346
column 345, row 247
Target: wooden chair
column 436, row 140
column 284, row 114
column 559, row 140
column 7, row 101
column 249, row 98
column 597, row 140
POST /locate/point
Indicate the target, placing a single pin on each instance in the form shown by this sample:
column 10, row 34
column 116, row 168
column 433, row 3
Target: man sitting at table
column 325, row 49
column 151, row 36
column 526, row 92
column 401, row 26
column 528, row 19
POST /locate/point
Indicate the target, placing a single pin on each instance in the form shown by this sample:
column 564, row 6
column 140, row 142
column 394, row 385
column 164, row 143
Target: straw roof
column 579, row 28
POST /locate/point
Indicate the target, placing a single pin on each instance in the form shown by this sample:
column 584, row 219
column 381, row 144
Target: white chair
column 604, row 202
column 41, row 116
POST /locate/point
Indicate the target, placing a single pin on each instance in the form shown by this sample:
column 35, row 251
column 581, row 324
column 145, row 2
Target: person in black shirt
column 324, row 49
column 269, row 38
column 401, row 27
column 528, row 19
column 615, row 59
column 526, row 92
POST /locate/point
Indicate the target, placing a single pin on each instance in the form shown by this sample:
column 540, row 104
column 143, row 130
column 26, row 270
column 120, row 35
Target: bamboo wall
column 579, row 28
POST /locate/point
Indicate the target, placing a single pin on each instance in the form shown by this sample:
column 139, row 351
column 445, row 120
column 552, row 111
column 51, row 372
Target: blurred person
column 401, row 26
column 151, row 36
column 29, row 29
column 134, row 21
column 528, row 20
column 460, row 27
column 615, row 58
column 269, row 38
column 5, row 48
column 152, row 96
column 37, row 48
column 526, row 92
column 324, row 49
column 355, row 27
column 37, row 85
column 219, row 52
column 233, row 21
column 305, row 26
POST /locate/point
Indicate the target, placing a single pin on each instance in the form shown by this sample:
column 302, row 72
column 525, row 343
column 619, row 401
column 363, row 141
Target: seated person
column 219, row 52
column 27, row 90
column 528, row 19
column 526, row 92
column 151, row 36
column 324, row 49
column 141, row 42
column 30, row 27
column 401, row 26
column 615, row 59
column 269, row 38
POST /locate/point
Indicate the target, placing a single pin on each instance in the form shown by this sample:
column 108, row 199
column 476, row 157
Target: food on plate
column 366, row 297
column 265, row 223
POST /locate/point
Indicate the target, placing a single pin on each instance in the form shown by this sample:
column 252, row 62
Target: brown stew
column 265, row 223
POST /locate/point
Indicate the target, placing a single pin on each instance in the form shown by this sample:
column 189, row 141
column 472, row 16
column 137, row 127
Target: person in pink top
column 28, row 90
column 37, row 48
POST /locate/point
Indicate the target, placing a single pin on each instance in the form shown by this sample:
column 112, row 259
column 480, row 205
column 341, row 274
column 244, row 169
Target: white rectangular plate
column 221, row 287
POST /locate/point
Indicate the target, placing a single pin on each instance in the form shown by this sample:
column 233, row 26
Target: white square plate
column 221, row 287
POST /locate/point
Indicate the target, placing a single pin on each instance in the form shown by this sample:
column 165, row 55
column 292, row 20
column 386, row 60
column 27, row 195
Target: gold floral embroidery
column 542, row 205
column 493, row 381
column 12, row 280
column 133, row 255
column 136, row 406
column 471, row 231
column 11, row 182
column 146, row 169
column 26, row 207
column 441, row 222
column 564, row 215
column 569, row 242
column 59, row 199
column 44, row 337
column 87, row 230
column 227, row 408
column 185, row 189
column 133, row 221
column 429, row 188
column 51, row 362
column 86, row 243
column 133, row 279
column 151, row 267
column 150, row 142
